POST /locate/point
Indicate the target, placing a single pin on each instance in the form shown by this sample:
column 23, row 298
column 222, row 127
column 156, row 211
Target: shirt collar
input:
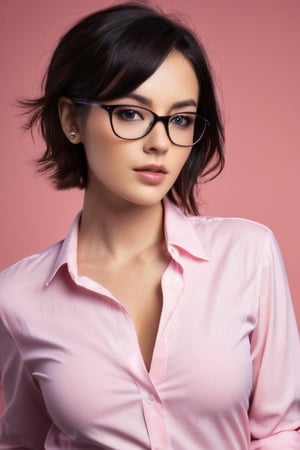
column 68, row 252
column 179, row 231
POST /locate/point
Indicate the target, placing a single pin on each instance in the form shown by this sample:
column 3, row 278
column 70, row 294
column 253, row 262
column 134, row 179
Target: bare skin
column 130, row 265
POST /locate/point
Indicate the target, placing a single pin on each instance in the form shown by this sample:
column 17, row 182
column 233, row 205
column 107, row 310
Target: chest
column 137, row 287
column 86, row 351
column 198, row 312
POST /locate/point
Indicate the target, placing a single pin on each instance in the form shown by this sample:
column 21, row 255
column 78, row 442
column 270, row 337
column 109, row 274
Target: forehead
column 174, row 81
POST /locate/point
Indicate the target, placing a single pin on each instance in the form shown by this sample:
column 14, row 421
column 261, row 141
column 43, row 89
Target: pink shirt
column 225, row 373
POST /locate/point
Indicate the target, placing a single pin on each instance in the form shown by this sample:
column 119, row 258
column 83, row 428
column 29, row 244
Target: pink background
column 254, row 49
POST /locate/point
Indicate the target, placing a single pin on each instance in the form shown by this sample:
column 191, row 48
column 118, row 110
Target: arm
column 24, row 423
column 275, row 402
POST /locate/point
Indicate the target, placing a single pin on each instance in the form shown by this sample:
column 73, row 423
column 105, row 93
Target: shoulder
column 28, row 272
column 230, row 226
column 231, row 233
column 24, row 292
column 215, row 235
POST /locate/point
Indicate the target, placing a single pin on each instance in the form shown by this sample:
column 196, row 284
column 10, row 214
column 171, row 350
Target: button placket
column 155, row 420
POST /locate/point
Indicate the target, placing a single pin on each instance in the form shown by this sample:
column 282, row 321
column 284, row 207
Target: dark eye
column 128, row 114
column 182, row 120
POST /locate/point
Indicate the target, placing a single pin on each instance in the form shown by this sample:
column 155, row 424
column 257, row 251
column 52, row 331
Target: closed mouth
column 151, row 168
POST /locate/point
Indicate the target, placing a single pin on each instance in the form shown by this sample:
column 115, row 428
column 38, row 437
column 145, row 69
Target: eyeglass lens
column 184, row 128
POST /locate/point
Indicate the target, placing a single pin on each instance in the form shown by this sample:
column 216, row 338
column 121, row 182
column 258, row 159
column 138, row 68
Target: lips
column 152, row 168
column 152, row 174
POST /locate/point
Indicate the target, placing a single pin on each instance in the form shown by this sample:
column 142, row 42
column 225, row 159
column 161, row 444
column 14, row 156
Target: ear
column 68, row 119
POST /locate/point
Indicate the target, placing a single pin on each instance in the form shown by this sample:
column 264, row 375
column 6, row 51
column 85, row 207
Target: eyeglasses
column 132, row 122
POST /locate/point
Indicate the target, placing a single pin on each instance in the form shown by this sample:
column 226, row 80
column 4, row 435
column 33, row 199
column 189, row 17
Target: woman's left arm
column 274, row 412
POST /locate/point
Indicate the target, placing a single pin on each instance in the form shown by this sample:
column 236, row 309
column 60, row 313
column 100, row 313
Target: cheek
column 96, row 133
column 182, row 157
column 102, row 162
column 100, row 148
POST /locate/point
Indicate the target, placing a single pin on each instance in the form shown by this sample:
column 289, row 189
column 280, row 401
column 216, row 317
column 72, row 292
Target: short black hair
column 107, row 55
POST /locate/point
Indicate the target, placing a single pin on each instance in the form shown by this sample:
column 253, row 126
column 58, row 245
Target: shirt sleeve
column 274, row 412
column 24, row 422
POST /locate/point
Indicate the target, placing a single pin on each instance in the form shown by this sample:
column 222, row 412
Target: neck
column 119, row 231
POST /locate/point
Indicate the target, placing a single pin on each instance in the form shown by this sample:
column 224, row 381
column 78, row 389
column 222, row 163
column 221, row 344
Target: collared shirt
column 225, row 372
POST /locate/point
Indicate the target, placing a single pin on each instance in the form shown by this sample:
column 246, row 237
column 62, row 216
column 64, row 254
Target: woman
column 148, row 326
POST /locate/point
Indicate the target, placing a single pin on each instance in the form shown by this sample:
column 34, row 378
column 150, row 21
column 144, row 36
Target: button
column 150, row 398
column 172, row 251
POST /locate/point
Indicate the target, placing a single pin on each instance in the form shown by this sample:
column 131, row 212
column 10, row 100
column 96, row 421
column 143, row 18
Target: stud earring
column 72, row 135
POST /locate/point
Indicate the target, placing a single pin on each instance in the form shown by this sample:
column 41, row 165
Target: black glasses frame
column 156, row 118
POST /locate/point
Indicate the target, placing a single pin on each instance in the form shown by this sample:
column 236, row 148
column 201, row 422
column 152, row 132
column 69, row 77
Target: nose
column 157, row 139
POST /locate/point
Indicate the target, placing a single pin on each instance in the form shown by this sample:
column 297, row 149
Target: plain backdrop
column 254, row 49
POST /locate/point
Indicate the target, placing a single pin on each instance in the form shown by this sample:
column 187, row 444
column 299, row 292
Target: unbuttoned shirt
column 225, row 371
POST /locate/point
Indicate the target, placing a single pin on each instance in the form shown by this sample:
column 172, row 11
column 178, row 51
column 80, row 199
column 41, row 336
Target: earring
column 72, row 135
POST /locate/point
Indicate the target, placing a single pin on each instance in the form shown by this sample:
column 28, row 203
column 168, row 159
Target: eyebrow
column 147, row 102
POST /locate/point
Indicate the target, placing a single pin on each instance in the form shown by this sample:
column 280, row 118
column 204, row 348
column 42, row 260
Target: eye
column 128, row 114
column 182, row 120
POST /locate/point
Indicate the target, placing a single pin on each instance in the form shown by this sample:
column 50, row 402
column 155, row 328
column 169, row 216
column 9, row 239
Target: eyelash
column 121, row 113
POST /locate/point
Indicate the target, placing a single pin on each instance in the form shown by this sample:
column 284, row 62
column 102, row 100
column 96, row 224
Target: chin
column 146, row 197
column 146, row 200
